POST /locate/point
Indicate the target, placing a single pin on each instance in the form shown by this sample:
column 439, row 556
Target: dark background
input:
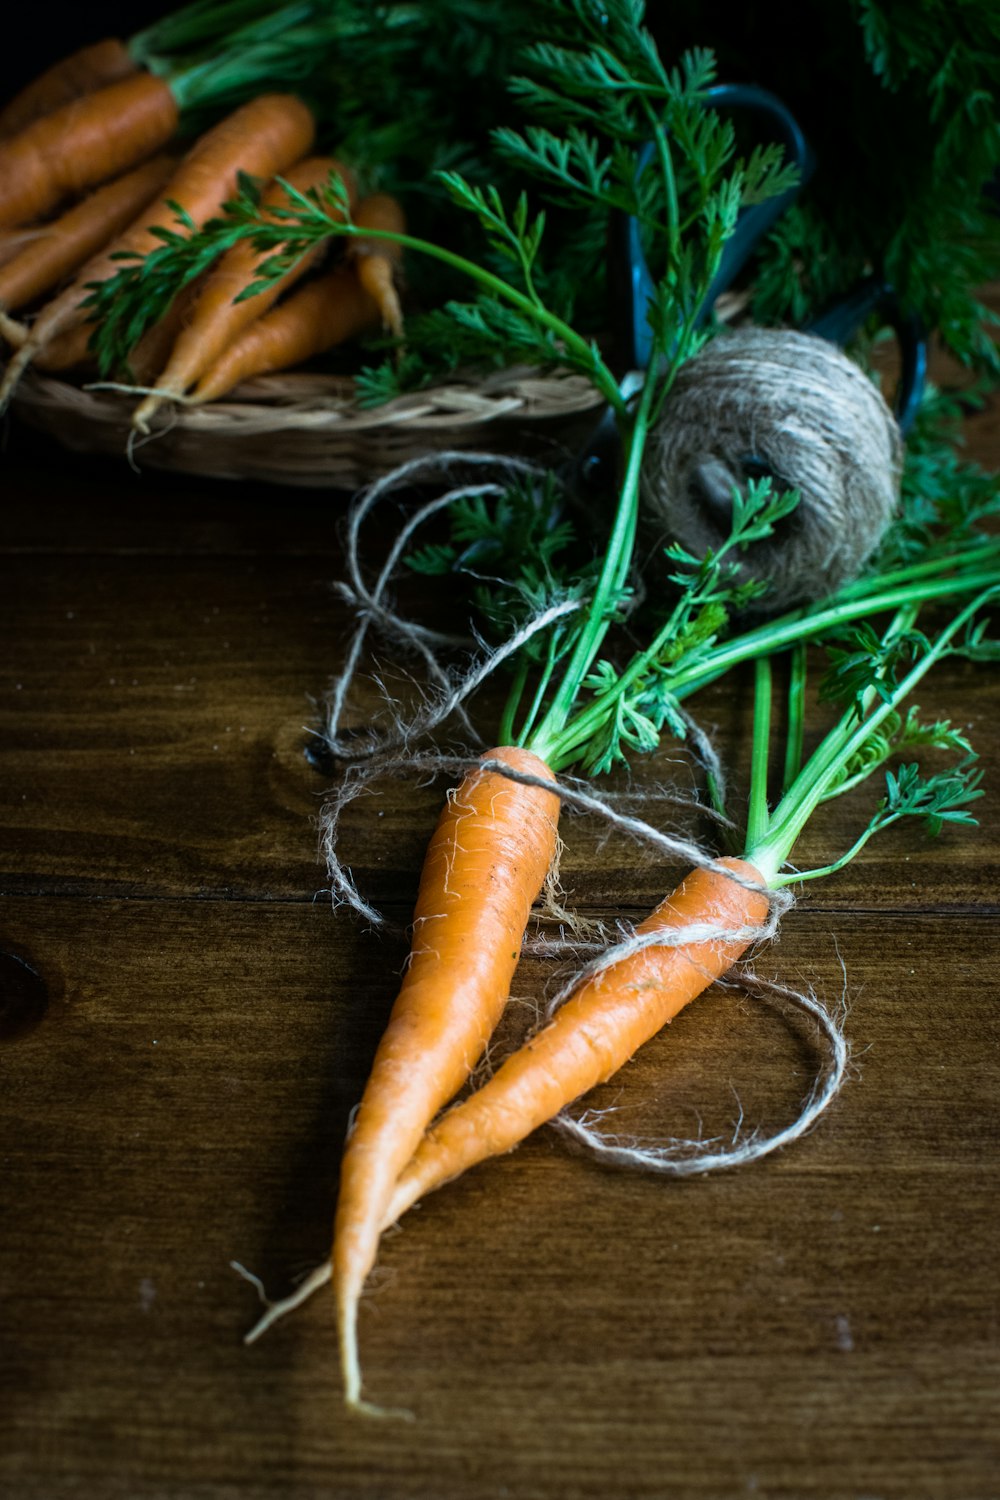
column 37, row 35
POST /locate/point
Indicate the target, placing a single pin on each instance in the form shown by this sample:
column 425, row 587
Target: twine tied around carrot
column 370, row 754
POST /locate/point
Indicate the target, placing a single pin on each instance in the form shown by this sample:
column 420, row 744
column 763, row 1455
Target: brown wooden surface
column 186, row 1025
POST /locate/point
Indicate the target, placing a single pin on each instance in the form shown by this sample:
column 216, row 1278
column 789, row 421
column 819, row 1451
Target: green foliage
column 899, row 101
column 867, row 663
column 633, row 707
column 945, row 497
column 935, row 799
column 518, row 552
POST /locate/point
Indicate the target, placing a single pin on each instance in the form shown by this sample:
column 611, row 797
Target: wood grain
column 185, row 1026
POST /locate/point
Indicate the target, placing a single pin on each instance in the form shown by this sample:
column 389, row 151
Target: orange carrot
column 484, row 868
column 71, row 351
column 13, row 241
column 219, row 319
column 594, row 1033
column 62, row 246
column 83, row 143
column 377, row 260
column 318, row 316
column 262, row 138
column 80, row 73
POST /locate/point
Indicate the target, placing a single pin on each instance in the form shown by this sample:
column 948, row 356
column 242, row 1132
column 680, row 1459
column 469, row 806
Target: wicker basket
column 305, row 429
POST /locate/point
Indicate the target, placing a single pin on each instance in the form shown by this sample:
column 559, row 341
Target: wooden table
column 186, row 1025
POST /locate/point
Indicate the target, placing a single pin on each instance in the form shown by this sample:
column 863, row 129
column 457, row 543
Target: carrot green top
column 599, row 81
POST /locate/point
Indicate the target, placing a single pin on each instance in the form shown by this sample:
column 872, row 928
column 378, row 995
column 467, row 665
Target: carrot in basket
column 595, row 1032
column 484, row 869
column 72, row 351
column 262, row 138
column 58, row 248
column 101, row 134
column 377, row 261
column 82, row 144
column 219, row 318
column 13, row 241
column 82, row 72
column 318, row 316
column 193, row 31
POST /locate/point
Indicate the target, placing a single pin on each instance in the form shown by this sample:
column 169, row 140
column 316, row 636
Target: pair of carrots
column 212, row 341
column 484, row 869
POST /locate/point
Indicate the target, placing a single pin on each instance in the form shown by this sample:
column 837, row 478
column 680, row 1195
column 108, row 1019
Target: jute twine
column 764, row 401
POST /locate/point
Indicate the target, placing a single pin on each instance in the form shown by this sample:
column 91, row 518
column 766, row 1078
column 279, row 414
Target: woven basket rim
column 311, row 400
column 303, row 428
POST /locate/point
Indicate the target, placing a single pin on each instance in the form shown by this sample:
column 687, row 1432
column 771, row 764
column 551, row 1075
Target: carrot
column 82, row 144
column 318, row 316
column 13, row 241
column 62, row 246
column 219, row 319
column 71, row 351
column 595, row 1032
column 377, row 261
column 484, row 868
column 262, row 137
column 82, row 72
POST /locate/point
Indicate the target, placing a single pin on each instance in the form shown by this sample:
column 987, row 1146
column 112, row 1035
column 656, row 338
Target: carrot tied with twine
column 484, row 869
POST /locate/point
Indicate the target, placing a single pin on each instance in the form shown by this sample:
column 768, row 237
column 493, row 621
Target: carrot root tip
column 14, row 332
column 370, row 1409
column 147, row 409
column 20, row 362
column 273, row 1310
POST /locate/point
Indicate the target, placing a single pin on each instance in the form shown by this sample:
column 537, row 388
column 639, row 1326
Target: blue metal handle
column 840, row 322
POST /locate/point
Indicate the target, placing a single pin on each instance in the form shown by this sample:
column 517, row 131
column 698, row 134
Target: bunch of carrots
column 97, row 166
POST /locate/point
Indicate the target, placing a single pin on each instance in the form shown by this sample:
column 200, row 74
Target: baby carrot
column 60, row 247
column 262, row 137
column 13, row 241
column 596, row 1031
column 318, row 316
column 83, row 143
column 377, row 260
column 485, row 866
column 82, row 72
column 218, row 318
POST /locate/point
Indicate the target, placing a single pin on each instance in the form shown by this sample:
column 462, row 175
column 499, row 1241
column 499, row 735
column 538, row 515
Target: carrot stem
column 859, row 601
column 844, row 741
column 795, row 732
column 192, row 26
column 757, row 805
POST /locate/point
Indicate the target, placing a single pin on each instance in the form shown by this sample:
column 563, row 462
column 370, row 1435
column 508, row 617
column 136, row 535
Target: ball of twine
column 759, row 402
